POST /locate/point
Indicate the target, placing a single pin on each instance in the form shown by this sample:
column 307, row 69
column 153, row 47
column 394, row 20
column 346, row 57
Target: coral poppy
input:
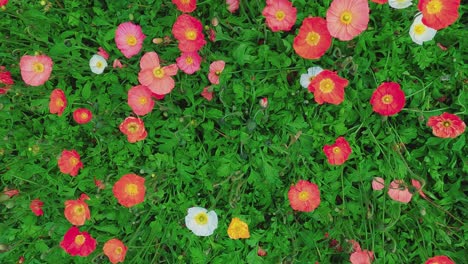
column 399, row 192
column 439, row 260
column 419, row 32
column 35, row 70
column 378, row 184
column 279, row 14
column 158, row 79
column 446, row 125
column 82, row 115
column 362, row 257
column 339, row 152
column 5, row 80
column 77, row 211
column 69, row 162
column 388, row 99
column 57, row 102
column 238, row 229
column 347, row 18
column 439, row 14
column 129, row 190
column 328, row 87
column 201, row 222
column 139, row 99
column 189, row 62
column 97, row 64
column 101, row 52
column 186, row 6
column 134, row 129
column 189, row 32
column 306, row 78
column 313, row 39
column 99, row 184
column 399, row 4
column 129, row 39
column 78, row 243
column 207, row 93
column 216, row 68
column 304, row 196
column 36, row 207
column 115, row 250
column 233, row 5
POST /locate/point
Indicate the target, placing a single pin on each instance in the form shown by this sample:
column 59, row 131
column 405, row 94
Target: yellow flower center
column 59, row 102
column 78, row 210
column 73, row 161
column 346, row 17
column 79, row 240
column 118, row 250
column 132, row 128
column 158, row 72
column 312, row 38
column 191, row 34
column 446, row 123
column 99, row 64
column 327, row 85
column 419, row 29
column 280, row 15
column 387, row 99
column 336, row 150
column 434, row 7
column 38, row 67
column 142, row 100
column 185, row 2
column 201, row 218
column 218, row 73
column 131, row 40
column 84, row 115
column 189, row 60
column 131, row 189
column 304, row 196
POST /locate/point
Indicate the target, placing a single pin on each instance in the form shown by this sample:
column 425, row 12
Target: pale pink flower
column 216, row 68
column 362, row 257
column 158, row 79
column 139, row 99
column 378, row 184
column 399, row 192
column 233, row 5
column 189, row 62
column 35, row 70
column 117, row 64
column 129, row 39
column 279, row 15
column 347, row 18
column 416, row 184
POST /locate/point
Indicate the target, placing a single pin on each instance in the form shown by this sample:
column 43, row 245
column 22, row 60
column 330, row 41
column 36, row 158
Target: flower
column 134, row 129
column 82, row 115
column 69, row 162
column 35, row 70
column 185, row 6
column 328, row 87
column 117, row 64
column 439, row 260
column 378, row 184
column 189, row 62
column 347, row 18
column 10, row 193
column 207, row 93
column 130, row 190
column 97, row 64
column 279, row 14
column 3, row 3
column 158, row 79
column 115, row 250
column 439, row 14
column 261, row 252
column 306, row 78
column 362, row 257
column 388, row 99
column 129, row 39
column 399, row 192
column 419, row 32
column 78, row 243
column 380, row 1
column 189, row 32
column 77, row 211
column 304, row 196
column 339, row 152
column 399, row 4
column 263, row 102
column 36, row 207
column 57, row 102
column 233, row 5
column 200, row 221
column 101, row 52
column 313, row 39
column 446, row 125
column 5, row 80
column 238, row 229
column 139, row 99
column 99, row 184
column 216, row 68
column 416, row 184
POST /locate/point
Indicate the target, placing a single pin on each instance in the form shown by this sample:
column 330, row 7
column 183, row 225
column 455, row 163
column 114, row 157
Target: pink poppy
column 189, row 62
column 216, row 68
column 139, row 99
column 416, row 184
column 117, row 64
column 158, row 79
column 233, row 5
column 347, row 18
column 101, row 52
column 399, row 192
column 129, row 39
column 362, row 257
column 35, row 70
column 3, row 3
column 378, row 184
column 279, row 14
column 208, row 93
column 189, row 32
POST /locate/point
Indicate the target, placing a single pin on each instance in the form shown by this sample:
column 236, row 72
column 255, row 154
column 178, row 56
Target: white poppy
column 306, row 78
column 399, row 4
column 97, row 64
column 421, row 33
column 200, row 221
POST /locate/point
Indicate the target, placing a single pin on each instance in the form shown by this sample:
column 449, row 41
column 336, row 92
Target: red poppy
column 36, row 207
column 78, row 243
column 57, row 102
column 5, row 80
column 313, row 39
column 446, row 125
column 439, row 14
column 115, row 250
column 134, row 129
column 77, row 211
column 388, row 99
column 82, row 115
column 339, row 152
column 130, row 190
column 69, row 162
column 186, row 6
column 304, row 196
column 139, row 99
column 399, row 192
column 439, row 260
column 3, row 3
column 328, row 87
column 189, row 32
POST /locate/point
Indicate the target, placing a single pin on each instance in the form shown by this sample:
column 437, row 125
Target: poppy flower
column 347, row 18
column 261, row 252
column 216, row 68
column 82, row 115
column 207, row 93
column 379, row 1
column 130, row 190
column 158, row 79
column 419, row 32
column 57, row 102
column 189, row 62
column 439, row 260
column 10, row 193
column 388, row 99
column 233, row 5
column 77, row 211
column 362, row 257
column 3, row 3
column 399, row 4
column 115, row 250
column 378, row 184
column 416, row 184
column 78, row 243
column 201, row 222
column 97, row 64
column 101, row 52
column 328, row 87
column 134, row 129
column 306, row 78
column 35, row 70
column 186, row 6
column 69, row 162
column 399, row 192
column 313, row 39
column 129, row 39
column 339, row 152
column 139, row 99
column 439, row 14
column 446, row 125
column 117, row 64
column 238, row 229
column 5, row 80
column 189, row 32
column 99, row 184
column 36, row 207
column 279, row 14
column 304, row 196
column 263, row 102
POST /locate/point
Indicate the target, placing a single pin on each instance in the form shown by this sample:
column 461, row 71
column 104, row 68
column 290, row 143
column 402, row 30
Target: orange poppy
column 57, row 102
column 77, row 211
column 328, row 87
column 69, row 162
column 439, row 14
column 82, row 115
column 313, row 39
column 134, row 129
column 304, row 196
column 130, row 190
column 115, row 250
column 339, row 152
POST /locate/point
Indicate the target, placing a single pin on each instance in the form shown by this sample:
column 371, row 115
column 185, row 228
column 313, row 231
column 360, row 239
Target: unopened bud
column 214, row 22
column 158, row 40
column 264, row 102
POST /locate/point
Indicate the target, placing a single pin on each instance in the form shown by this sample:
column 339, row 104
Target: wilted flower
column 378, row 184
column 399, row 192
column 207, row 93
column 101, row 52
column 36, row 207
